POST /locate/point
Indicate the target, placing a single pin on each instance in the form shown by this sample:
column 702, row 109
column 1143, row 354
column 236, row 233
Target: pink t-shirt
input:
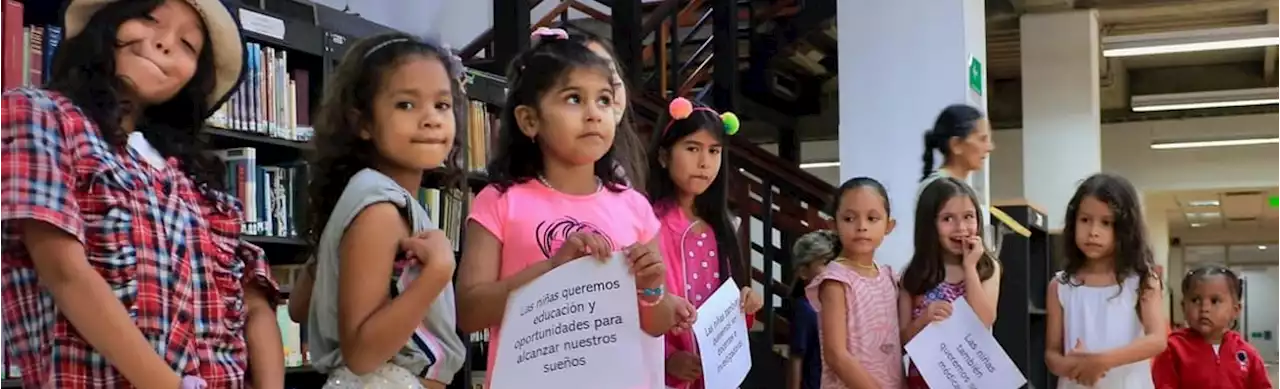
column 872, row 334
column 532, row 221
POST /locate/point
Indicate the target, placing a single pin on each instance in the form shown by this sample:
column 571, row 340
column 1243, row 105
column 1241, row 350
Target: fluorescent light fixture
column 1204, row 215
column 1210, row 99
column 1191, row 40
column 1263, row 248
column 815, row 165
column 1203, row 203
column 1197, row 225
column 1213, row 143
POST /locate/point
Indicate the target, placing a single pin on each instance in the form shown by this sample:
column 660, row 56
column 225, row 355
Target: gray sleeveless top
column 435, row 351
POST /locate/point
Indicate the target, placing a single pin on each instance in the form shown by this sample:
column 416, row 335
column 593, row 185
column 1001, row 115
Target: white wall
column 411, row 16
column 1261, row 284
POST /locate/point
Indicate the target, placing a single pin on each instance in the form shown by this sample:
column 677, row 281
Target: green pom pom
column 731, row 123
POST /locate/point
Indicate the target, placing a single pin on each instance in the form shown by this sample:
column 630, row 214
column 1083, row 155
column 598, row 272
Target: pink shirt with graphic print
column 532, row 221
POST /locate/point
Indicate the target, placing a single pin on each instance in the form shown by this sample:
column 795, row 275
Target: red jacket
column 1189, row 362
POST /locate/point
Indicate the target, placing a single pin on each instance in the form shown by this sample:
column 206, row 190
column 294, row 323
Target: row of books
column 27, row 50
column 482, row 135
column 273, row 100
column 268, row 194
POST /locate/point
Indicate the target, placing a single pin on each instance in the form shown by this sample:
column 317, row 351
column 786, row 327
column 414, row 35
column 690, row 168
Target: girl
column 949, row 262
column 809, row 256
column 382, row 304
column 1106, row 303
column 860, row 347
column 630, row 151
column 556, row 194
column 1209, row 354
column 698, row 240
column 123, row 263
column 963, row 136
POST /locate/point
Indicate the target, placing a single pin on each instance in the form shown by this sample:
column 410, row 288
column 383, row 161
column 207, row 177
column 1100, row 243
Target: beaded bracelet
column 651, row 292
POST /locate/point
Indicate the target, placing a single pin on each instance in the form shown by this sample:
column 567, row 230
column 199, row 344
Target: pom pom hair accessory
column 681, row 108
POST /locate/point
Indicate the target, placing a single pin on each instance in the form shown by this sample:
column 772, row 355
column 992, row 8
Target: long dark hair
column 531, row 75
column 955, row 121
column 340, row 153
column 84, row 70
column 1132, row 251
column 627, row 145
column 713, row 204
column 927, row 268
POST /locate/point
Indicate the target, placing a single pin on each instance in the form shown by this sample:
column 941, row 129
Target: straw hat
column 224, row 40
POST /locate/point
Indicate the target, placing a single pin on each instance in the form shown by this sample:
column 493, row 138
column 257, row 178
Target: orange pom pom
column 680, row 108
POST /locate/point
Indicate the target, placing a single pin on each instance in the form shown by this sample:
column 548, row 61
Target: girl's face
column 862, row 220
column 1095, row 228
column 413, row 124
column 619, row 88
column 574, row 120
column 957, row 221
column 156, row 54
column 972, row 150
column 694, row 161
column 1210, row 305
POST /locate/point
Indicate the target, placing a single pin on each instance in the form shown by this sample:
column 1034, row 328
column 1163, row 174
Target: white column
column 1061, row 117
column 900, row 64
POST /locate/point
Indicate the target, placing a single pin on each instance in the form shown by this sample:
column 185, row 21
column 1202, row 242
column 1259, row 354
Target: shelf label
column 262, row 24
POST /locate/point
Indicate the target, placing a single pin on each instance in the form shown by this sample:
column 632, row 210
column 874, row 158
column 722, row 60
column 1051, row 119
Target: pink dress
column 693, row 272
column 872, row 305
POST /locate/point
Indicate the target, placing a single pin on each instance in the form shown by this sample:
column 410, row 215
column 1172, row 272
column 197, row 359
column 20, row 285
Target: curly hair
column 339, row 152
column 84, row 70
column 1133, row 254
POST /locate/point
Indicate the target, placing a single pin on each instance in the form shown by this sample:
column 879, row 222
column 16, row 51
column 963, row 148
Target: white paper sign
column 960, row 353
column 262, row 24
column 721, row 332
column 578, row 323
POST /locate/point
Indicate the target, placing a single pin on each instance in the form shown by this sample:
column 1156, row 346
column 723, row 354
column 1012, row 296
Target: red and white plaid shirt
column 170, row 251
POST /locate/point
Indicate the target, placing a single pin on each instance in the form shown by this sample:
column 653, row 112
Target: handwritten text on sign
column 721, row 332
column 577, row 323
column 960, row 353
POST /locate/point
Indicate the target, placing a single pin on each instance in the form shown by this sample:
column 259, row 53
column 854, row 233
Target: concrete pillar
column 900, row 64
column 1061, row 117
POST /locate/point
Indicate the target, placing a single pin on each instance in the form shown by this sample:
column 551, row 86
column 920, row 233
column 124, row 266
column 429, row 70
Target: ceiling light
column 815, row 165
column 1203, row 215
column 1191, row 40
column 1208, row 99
column 1203, row 203
column 1263, row 248
column 1197, row 225
column 1213, row 143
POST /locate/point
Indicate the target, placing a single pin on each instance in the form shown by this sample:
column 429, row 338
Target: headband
column 454, row 61
column 681, row 108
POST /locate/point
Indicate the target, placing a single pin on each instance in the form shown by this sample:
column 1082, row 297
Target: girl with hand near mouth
column 950, row 261
column 123, row 263
column 1105, row 309
column 687, row 186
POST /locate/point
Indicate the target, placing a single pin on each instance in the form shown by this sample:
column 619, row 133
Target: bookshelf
column 263, row 134
column 1025, row 255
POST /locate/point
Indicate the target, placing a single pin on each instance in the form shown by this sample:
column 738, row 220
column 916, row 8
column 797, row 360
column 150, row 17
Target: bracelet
column 651, row 292
column 650, row 304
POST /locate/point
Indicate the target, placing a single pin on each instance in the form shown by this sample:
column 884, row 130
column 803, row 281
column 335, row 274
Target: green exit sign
column 975, row 75
column 1274, row 201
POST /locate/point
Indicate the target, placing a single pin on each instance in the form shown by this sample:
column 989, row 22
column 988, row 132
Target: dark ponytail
column 955, row 121
column 929, row 145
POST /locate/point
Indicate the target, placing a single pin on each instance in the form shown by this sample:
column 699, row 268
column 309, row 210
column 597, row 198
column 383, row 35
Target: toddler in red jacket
column 1207, row 354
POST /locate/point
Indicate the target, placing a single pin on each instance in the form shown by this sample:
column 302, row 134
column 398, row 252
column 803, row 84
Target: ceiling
column 1230, row 255
column 1233, row 210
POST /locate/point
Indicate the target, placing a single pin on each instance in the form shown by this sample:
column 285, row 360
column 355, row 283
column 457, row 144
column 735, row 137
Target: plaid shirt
column 171, row 252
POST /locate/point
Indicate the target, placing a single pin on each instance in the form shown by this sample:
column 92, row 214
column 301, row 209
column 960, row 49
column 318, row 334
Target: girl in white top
column 1104, row 308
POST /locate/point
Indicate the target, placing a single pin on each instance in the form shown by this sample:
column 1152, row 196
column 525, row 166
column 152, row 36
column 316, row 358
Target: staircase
column 677, row 56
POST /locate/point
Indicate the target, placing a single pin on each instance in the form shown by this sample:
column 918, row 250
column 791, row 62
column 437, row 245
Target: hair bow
column 543, row 32
column 681, row 108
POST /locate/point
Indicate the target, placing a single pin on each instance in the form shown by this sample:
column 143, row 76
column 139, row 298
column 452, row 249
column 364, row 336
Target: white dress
column 1105, row 318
